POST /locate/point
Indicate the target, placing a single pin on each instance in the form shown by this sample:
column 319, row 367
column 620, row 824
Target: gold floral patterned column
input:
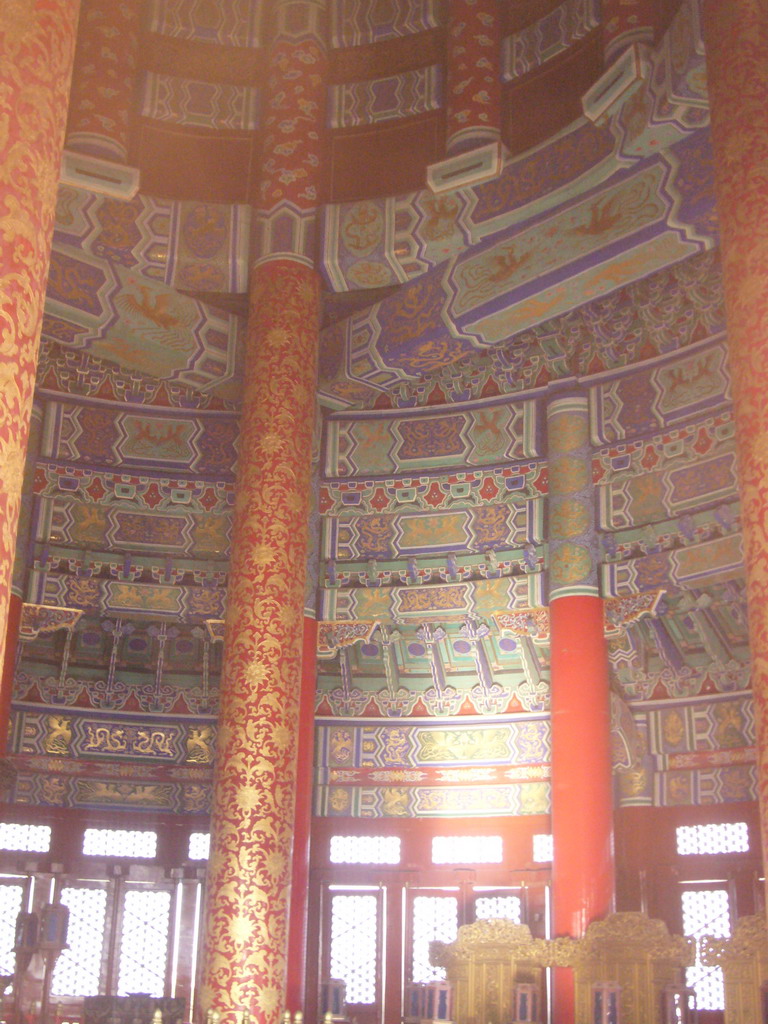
column 37, row 42
column 250, row 871
column 19, row 577
column 256, row 778
column 736, row 38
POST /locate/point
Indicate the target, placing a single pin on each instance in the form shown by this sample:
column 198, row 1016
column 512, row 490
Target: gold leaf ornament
column 15, row 23
column 11, row 469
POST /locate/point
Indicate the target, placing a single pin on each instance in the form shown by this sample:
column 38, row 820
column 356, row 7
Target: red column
column 297, row 925
column 37, row 41
column 19, row 579
column 104, row 78
column 626, row 22
column 262, row 787
column 12, row 622
column 736, row 38
column 582, row 813
column 249, row 875
column 473, row 91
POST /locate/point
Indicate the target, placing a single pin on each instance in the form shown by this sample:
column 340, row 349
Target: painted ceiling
column 590, row 262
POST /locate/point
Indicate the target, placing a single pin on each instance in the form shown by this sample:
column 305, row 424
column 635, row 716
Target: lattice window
column 78, row 969
column 726, row 837
column 118, row 842
column 199, row 845
column 706, row 912
column 10, row 905
column 365, row 849
column 508, row 907
column 354, row 944
column 543, row 848
column 29, row 838
column 435, row 918
column 467, row 850
column 144, row 942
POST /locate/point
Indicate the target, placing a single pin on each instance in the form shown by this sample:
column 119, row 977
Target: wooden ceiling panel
column 383, row 160
column 549, row 99
column 357, row 63
column 194, row 163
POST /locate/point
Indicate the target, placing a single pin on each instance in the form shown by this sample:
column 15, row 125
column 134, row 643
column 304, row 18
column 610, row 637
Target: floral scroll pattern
column 253, row 812
column 740, row 140
column 37, row 47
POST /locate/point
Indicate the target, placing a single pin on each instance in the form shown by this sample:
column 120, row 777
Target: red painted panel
column 416, row 837
column 649, row 869
column 388, row 57
column 548, row 99
column 180, row 163
column 416, row 871
column 384, row 159
column 9, row 666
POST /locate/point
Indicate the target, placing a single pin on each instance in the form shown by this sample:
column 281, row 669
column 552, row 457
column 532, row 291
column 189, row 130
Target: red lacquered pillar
column 297, row 925
column 263, row 692
column 473, row 90
column 19, row 579
column 736, row 39
column 256, row 775
column 104, row 78
column 582, row 812
column 37, row 42
column 12, row 623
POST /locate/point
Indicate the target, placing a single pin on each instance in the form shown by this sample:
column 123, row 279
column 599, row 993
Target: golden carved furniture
column 490, row 957
column 484, row 964
column 637, row 952
column 744, row 960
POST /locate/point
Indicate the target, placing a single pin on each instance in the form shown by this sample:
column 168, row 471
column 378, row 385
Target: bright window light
column 467, row 850
column 365, row 849
column 27, row 838
column 199, row 845
column 543, row 848
column 726, row 837
column 117, row 842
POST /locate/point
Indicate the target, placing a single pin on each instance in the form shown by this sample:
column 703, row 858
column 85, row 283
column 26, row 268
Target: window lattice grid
column 543, row 848
column 78, row 969
column 199, row 845
column 354, row 945
column 706, row 912
column 722, row 837
column 27, row 838
column 365, row 850
column 508, row 907
column 118, row 842
column 11, row 897
column 467, row 850
column 435, row 919
column 144, row 942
